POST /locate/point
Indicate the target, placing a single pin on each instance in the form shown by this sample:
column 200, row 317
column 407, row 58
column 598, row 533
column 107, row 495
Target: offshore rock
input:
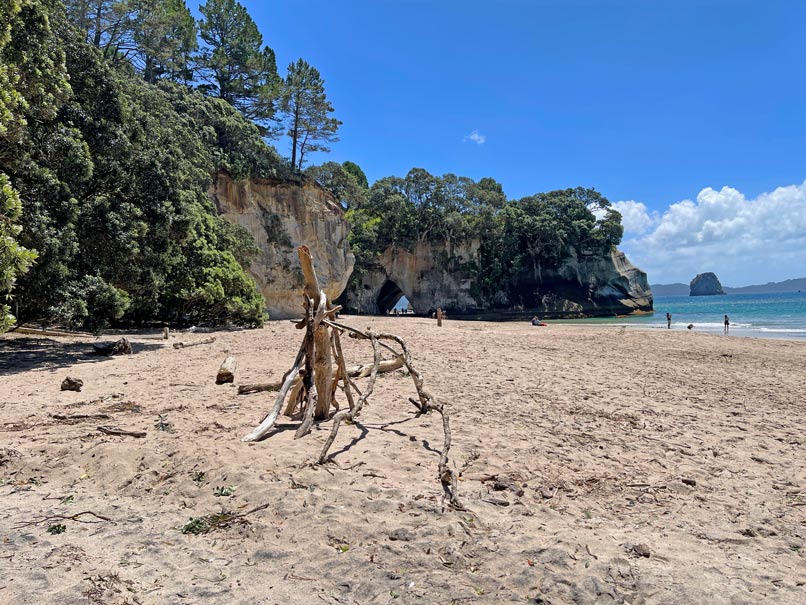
column 282, row 215
column 436, row 275
column 705, row 284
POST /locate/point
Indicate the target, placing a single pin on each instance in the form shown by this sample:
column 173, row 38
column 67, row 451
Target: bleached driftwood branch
column 314, row 378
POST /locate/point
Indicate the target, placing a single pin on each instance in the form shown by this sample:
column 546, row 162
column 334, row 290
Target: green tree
column 307, row 112
column 232, row 62
column 341, row 183
column 163, row 38
column 103, row 23
column 357, row 173
column 114, row 189
column 32, row 83
column 14, row 258
column 156, row 36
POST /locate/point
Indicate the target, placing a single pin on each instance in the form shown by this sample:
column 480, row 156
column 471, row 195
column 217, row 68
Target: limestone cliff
column 705, row 284
column 282, row 215
column 431, row 276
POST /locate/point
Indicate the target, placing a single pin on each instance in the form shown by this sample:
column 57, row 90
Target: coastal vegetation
column 517, row 238
column 114, row 118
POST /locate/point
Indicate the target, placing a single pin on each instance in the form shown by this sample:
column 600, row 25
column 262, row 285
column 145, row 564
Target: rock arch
column 388, row 296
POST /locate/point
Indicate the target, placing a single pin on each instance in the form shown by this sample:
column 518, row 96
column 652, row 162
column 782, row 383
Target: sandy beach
column 598, row 465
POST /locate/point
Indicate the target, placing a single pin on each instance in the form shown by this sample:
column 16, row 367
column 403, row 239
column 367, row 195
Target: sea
column 778, row 315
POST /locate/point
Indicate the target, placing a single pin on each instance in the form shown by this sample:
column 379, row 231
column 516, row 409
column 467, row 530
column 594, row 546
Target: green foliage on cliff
column 112, row 173
column 516, row 238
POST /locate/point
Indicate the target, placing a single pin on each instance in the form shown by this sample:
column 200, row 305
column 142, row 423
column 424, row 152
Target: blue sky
column 649, row 102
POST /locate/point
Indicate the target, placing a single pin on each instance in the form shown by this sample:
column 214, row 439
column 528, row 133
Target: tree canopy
column 233, row 61
column 307, row 112
column 515, row 238
column 111, row 174
column 33, row 82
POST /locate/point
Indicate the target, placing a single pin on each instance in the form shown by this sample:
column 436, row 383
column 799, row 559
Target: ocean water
column 779, row 315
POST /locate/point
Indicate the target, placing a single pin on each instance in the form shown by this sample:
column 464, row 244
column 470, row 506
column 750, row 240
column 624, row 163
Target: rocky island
column 706, row 284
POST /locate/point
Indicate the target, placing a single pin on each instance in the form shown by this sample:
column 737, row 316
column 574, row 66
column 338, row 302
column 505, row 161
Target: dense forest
column 115, row 116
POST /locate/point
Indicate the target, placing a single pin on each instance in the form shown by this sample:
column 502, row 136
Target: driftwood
column 185, row 345
column 120, row 347
column 387, row 365
column 111, row 430
column 359, row 371
column 76, row 417
column 259, row 387
column 313, row 379
column 226, row 373
column 57, row 333
column 76, row 517
column 72, row 384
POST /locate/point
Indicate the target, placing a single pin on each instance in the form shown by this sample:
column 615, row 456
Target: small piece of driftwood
column 387, row 365
column 120, row 347
column 246, row 389
column 72, row 384
column 36, row 332
column 185, row 345
column 111, row 430
column 76, row 417
column 226, row 373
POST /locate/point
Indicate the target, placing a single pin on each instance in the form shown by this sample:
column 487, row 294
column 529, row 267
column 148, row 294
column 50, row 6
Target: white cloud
column 744, row 241
column 635, row 217
column 475, row 137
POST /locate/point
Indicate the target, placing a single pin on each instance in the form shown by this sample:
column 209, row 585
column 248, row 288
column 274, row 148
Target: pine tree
column 306, row 112
column 232, row 62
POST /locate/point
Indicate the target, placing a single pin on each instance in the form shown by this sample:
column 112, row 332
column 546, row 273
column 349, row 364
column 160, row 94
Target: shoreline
column 738, row 330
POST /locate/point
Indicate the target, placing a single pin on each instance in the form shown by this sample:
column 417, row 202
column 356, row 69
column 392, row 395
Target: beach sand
column 598, row 465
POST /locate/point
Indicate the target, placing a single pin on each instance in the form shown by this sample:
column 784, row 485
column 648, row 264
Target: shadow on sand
column 22, row 353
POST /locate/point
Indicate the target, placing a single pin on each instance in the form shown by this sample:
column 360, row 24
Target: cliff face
column 282, row 215
column 432, row 276
column 592, row 286
column 705, row 284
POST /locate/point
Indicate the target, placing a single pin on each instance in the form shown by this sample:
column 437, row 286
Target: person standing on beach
column 669, row 320
column 727, row 324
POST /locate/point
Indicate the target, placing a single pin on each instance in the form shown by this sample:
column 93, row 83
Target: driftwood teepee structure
column 320, row 369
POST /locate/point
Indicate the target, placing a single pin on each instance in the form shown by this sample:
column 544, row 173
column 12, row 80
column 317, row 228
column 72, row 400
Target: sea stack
column 706, row 284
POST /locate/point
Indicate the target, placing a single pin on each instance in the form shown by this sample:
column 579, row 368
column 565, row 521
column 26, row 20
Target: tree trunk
column 322, row 364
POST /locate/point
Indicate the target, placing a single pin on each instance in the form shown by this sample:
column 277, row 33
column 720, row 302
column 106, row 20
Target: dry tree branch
column 350, row 414
column 268, row 422
column 308, row 382
column 320, row 348
column 65, row 518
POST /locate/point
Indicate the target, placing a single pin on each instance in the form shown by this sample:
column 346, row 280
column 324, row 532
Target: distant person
column 669, row 321
column 727, row 324
column 535, row 321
